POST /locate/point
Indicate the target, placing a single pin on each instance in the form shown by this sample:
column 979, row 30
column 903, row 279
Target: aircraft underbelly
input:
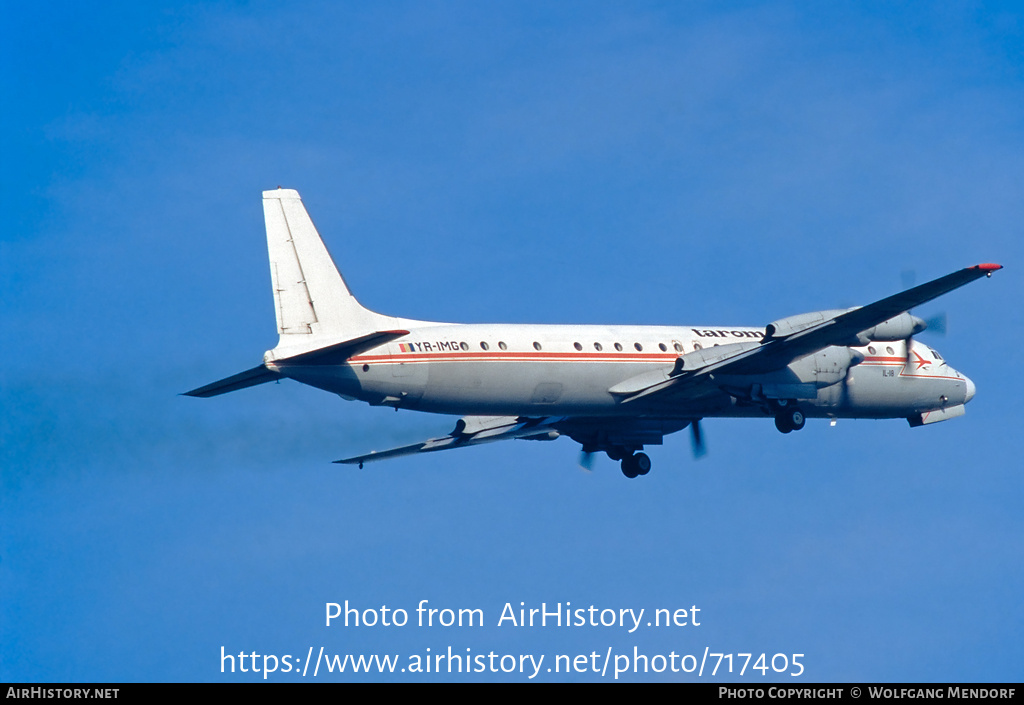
column 339, row 379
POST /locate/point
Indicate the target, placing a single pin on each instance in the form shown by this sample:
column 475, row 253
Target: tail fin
column 318, row 320
column 313, row 304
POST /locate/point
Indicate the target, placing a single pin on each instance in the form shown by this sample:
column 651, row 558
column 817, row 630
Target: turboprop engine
column 900, row 327
column 794, row 324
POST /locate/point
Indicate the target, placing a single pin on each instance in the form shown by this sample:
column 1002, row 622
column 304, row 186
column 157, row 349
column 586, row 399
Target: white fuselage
column 567, row 370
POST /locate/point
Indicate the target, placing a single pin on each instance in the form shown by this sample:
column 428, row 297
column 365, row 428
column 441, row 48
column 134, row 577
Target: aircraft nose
column 970, row 389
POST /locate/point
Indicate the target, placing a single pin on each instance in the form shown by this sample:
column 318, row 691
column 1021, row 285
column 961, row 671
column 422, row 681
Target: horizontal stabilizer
column 330, row 355
column 249, row 378
column 339, row 352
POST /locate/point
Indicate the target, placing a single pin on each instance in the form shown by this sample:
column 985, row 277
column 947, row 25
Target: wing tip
column 357, row 460
column 988, row 267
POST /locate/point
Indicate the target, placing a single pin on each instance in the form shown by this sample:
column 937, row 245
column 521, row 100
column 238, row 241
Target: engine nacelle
column 899, row 327
column 832, row 364
column 794, row 324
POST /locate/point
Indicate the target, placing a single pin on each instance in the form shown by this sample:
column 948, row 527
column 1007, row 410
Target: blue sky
column 578, row 162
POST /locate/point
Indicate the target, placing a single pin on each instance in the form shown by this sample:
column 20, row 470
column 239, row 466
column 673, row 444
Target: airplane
column 611, row 388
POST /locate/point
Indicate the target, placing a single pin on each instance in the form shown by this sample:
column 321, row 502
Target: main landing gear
column 788, row 417
column 633, row 463
column 636, row 465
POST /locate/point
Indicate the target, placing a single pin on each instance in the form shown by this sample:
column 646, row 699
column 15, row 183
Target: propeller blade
column 586, row 460
column 697, row 437
column 937, row 323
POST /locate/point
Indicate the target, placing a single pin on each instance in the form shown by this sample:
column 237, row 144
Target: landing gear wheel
column 636, row 465
column 627, row 467
column 797, row 419
column 791, row 419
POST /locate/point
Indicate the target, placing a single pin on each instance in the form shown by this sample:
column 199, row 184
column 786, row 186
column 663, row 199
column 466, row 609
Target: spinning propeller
column 935, row 324
column 586, row 460
column 697, row 439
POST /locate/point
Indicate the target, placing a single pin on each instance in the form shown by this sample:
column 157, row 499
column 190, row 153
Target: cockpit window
column 936, row 355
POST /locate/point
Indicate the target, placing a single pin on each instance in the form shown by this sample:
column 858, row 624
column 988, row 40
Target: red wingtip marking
column 988, row 267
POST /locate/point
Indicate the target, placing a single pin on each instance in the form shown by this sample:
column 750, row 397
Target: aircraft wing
column 776, row 351
column 471, row 431
column 593, row 433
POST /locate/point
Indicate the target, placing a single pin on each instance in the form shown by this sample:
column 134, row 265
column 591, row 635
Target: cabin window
column 536, row 345
column 501, row 344
column 483, row 345
column 888, row 349
column 678, row 347
column 697, row 346
column 464, row 345
column 638, row 346
column 871, row 350
column 577, row 346
column 597, row 346
column 662, row 347
column 618, row 347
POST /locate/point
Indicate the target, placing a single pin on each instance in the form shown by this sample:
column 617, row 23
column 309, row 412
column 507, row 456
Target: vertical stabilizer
column 313, row 304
